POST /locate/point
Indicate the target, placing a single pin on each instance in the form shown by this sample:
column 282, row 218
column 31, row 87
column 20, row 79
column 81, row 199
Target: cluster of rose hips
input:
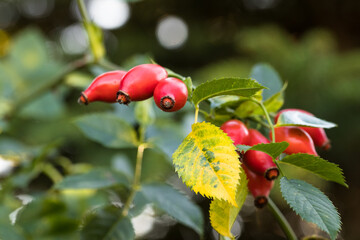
column 259, row 167
column 139, row 83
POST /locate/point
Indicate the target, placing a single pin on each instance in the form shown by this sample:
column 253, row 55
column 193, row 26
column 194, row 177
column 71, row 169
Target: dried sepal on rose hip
column 236, row 130
column 318, row 135
column 170, row 94
column 299, row 140
column 258, row 186
column 139, row 83
column 103, row 88
column 257, row 161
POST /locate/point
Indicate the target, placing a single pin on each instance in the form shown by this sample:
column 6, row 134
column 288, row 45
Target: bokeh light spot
column 172, row 32
column 109, row 14
column 74, row 40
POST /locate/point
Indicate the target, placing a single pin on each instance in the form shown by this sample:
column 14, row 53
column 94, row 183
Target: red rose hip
column 103, row 88
column 236, row 130
column 259, row 187
column 299, row 140
column 139, row 83
column 257, row 161
column 170, row 94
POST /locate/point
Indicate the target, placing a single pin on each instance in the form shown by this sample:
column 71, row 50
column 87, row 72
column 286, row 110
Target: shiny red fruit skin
column 139, row 82
column 299, row 140
column 258, row 186
column 318, row 135
column 257, row 161
column 103, row 88
column 170, row 94
column 236, row 130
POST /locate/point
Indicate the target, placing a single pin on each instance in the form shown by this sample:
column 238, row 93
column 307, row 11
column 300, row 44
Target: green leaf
column 273, row 149
column 96, row 40
column 96, row 179
column 322, row 168
column 7, row 231
column 222, row 214
column 268, row 77
column 245, row 87
column 296, row 118
column 47, row 106
column 156, row 166
column 144, row 112
column 311, row 204
column 107, row 130
column 28, row 53
column 176, row 205
column 48, row 217
column 208, row 163
column 275, row 102
column 107, row 224
column 272, row 104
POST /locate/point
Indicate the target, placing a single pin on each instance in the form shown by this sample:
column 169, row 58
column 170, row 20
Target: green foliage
column 273, row 149
column 106, row 224
column 223, row 214
column 107, row 130
column 296, row 118
column 225, row 86
column 96, row 179
column 268, row 77
column 207, row 162
column 311, row 204
column 176, row 205
column 322, row 168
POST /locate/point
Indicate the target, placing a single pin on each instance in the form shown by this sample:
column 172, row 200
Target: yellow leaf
column 223, row 214
column 208, row 163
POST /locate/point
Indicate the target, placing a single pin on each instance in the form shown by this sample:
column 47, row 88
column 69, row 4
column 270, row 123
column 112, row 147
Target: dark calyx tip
column 167, row 103
column 83, row 99
column 123, row 98
column 260, row 201
column 272, row 173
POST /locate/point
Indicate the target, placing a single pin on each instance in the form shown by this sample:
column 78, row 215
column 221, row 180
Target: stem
column 83, row 11
column 52, row 173
column 57, row 79
column 271, row 125
column 284, row 224
column 196, row 113
column 137, row 176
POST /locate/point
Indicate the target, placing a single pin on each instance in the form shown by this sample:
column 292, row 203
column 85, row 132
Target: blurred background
column 313, row 45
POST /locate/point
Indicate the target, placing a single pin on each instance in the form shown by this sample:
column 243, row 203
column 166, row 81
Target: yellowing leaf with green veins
column 223, row 214
column 207, row 162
